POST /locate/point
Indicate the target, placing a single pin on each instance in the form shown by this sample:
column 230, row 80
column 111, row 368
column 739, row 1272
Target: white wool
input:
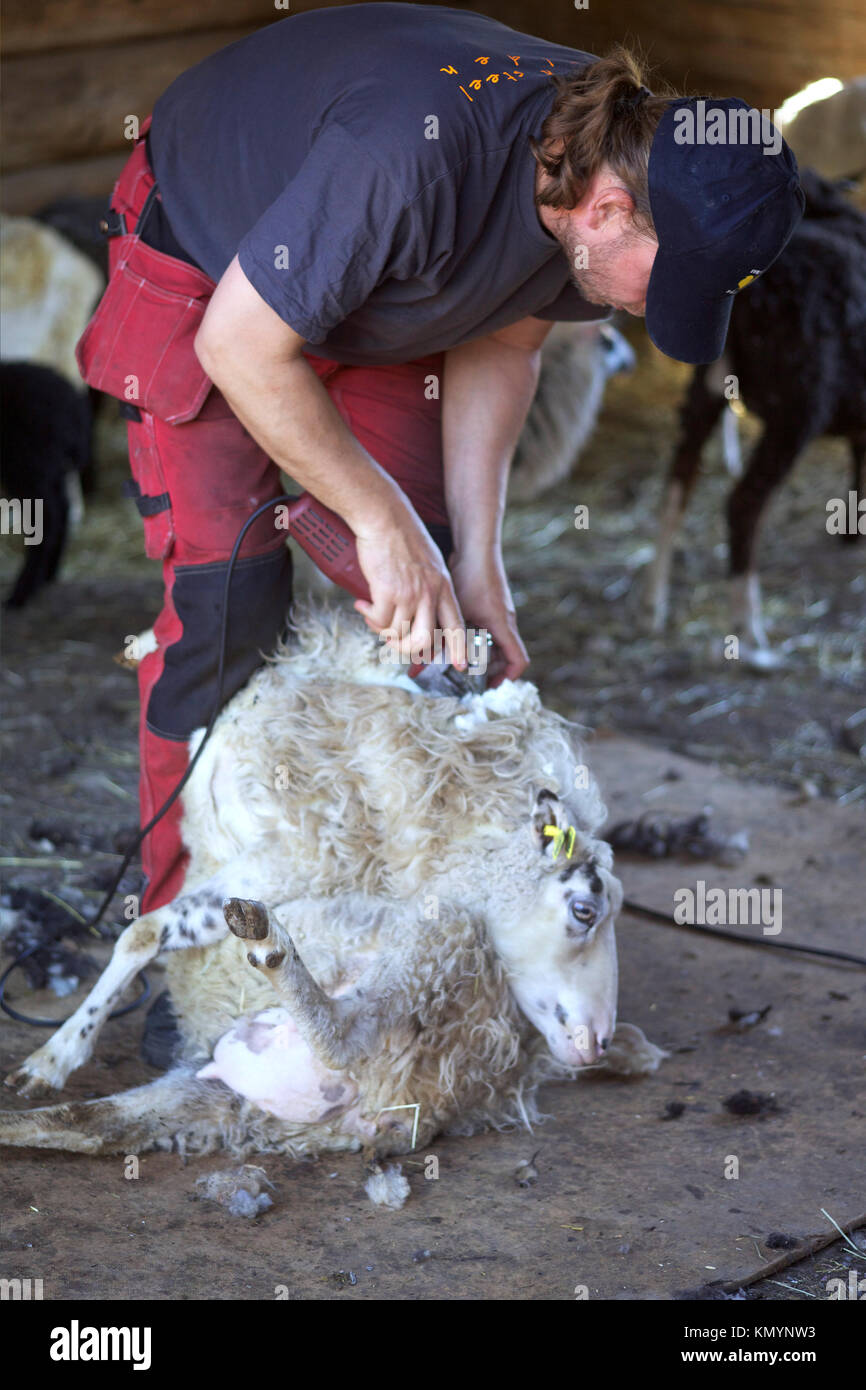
column 387, row 1187
column 49, row 289
column 631, row 1053
column 508, row 699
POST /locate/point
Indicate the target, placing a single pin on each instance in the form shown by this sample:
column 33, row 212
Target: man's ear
column 549, row 816
column 608, row 204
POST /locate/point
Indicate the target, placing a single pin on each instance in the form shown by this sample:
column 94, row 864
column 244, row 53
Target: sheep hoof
column 30, row 1084
column 247, row 919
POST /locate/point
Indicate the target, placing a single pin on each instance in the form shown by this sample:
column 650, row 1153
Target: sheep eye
column 582, row 911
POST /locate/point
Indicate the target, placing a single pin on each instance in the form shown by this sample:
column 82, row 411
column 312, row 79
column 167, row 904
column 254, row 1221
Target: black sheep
column 797, row 348
column 45, row 428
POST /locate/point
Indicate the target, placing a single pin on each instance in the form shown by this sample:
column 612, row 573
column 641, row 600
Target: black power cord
column 55, row 1022
column 664, row 919
column 169, row 802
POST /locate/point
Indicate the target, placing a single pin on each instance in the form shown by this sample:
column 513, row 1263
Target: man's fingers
column 516, row 658
column 372, row 615
column 420, row 640
column 454, row 628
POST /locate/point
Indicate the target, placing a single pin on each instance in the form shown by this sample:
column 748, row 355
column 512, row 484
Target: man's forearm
column 488, row 389
column 288, row 412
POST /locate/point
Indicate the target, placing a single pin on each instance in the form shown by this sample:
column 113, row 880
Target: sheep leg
column 699, row 414
column 773, row 458
column 193, row 919
column 340, row 1031
column 858, row 481
column 41, row 561
column 731, row 451
column 126, row 1123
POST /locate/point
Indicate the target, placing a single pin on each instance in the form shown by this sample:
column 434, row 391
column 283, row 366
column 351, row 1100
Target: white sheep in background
column 576, row 361
column 417, row 885
column 48, row 291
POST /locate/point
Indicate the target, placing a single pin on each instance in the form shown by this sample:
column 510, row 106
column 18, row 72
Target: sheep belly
column 265, row 1059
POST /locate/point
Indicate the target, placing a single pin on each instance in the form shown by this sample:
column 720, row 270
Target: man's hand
column 485, row 598
column 410, row 585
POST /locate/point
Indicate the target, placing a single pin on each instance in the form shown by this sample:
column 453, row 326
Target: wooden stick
column 792, row 1257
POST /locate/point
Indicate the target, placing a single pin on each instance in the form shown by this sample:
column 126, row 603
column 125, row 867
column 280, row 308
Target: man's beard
column 595, row 280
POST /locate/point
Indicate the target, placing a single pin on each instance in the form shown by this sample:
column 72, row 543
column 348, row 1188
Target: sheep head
column 557, row 941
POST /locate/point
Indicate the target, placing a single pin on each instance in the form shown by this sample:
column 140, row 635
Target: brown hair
column 603, row 114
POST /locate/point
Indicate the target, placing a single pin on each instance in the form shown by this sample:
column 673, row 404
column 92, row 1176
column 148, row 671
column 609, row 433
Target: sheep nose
column 591, row 1049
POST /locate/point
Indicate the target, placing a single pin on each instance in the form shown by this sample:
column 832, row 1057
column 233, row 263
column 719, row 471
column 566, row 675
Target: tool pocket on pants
column 138, row 346
column 148, row 488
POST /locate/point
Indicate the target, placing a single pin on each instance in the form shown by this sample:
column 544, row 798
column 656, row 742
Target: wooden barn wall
column 72, row 70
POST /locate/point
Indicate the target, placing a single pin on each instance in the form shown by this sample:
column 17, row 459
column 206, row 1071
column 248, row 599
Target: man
column 363, row 224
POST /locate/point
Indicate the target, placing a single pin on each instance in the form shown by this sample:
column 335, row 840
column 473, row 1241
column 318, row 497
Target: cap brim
column 683, row 321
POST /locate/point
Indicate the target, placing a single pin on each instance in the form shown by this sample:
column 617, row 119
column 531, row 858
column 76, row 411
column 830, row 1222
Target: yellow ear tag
column 746, row 280
column 559, row 836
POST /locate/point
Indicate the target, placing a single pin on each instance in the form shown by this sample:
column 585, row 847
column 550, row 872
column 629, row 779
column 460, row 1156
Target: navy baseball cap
column 725, row 198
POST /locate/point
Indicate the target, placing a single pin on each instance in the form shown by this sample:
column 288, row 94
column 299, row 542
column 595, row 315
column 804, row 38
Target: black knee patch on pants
column 261, row 593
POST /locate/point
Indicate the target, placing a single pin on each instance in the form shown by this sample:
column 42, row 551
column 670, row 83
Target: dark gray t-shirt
column 370, row 166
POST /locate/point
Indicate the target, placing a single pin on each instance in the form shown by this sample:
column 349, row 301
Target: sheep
column 398, row 920
column 45, row 434
column 48, row 290
column 576, row 360
column 797, row 349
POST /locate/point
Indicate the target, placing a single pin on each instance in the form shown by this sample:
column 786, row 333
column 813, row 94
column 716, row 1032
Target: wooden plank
column 31, row 26
column 87, row 94
column 29, row 190
column 761, row 50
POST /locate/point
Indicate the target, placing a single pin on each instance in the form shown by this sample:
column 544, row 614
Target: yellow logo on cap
column 746, row 280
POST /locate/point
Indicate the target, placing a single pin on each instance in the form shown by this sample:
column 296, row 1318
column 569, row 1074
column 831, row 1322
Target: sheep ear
column 548, row 812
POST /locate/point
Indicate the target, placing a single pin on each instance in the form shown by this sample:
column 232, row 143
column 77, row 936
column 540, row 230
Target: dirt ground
column 628, row 1202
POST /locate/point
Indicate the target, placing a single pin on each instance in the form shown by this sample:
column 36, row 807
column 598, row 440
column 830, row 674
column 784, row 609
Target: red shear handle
column 329, row 543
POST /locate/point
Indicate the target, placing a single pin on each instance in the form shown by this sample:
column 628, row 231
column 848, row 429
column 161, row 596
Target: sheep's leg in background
column 701, row 409
column 42, row 561
column 858, row 479
column 125, row 1123
column 193, row 919
column 340, row 1030
column 731, row 451
column 771, row 461
column 44, row 444
column 75, row 500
